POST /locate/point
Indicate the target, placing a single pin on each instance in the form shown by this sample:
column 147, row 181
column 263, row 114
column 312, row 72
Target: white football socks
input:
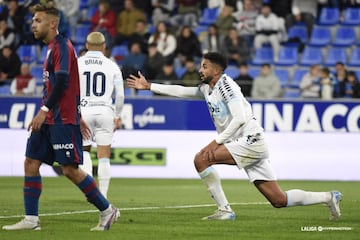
column 104, row 175
column 213, row 183
column 296, row 197
column 87, row 163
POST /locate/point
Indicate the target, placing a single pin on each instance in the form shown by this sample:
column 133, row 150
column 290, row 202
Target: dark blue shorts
column 56, row 143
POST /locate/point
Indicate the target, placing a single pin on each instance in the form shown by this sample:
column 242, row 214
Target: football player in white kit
column 99, row 77
column 240, row 141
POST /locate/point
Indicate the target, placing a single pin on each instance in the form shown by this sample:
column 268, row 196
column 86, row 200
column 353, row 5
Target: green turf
column 254, row 221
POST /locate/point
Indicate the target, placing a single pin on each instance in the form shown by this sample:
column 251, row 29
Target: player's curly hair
column 48, row 10
column 216, row 58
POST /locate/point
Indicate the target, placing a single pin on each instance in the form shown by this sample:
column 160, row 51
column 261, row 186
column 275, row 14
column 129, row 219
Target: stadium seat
column 329, row 16
column 179, row 71
column 351, row 16
column 310, row 56
column 118, row 52
column 232, row 71
column 28, row 53
column 334, row 55
column 344, row 37
column 42, row 56
column 144, row 93
column 354, row 60
column 209, row 16
column 84, row 4
column 5, row 90
column 254, row 72
column 37, row 72
column 128, row 92
column 292, row 93
column 320, row 36
column 263, row 55
column 288, row 56
column 283, row 75
column 297, row 77
column 81, row 33
column 298, row 32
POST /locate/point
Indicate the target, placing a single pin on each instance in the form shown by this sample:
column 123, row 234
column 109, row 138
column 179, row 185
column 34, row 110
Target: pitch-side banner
column 180, row 114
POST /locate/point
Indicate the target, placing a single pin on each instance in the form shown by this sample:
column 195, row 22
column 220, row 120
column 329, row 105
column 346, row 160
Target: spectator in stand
column 141, row 36
column 245, row 22
column 64, row 25
column 15, row 17
column 133, row 62
column 167, row 74
column 165, row 40
column 162, row 10
column 24, row 83
column 340, row 80
column 326, row 84
column 309, row 84
column 126, row 22
column 297, row 16
column 244, row 80
column 352, row 86
column 104, row 21
column 7, row 35
column 308, row 6
column 267, row 84
column 212, row 40
column 268, row 30
column 154, row 62
column 235, row 48
column 187, row 45
column 225, row 20
column 9, row 64
column 191, row 77
column 71, row 9
column 187, row 13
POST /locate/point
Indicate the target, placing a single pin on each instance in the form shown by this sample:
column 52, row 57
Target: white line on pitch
column 137, row 208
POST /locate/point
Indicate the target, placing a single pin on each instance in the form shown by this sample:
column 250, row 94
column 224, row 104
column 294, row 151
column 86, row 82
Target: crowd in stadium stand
column 282, row 48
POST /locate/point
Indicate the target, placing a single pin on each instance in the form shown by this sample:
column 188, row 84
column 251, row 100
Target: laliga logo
column 147, row 117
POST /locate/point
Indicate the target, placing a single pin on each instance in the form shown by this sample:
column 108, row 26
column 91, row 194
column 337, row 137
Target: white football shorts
column 251, row 153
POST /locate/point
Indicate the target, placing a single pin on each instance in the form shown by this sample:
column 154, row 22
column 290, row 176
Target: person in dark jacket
column 10, row 64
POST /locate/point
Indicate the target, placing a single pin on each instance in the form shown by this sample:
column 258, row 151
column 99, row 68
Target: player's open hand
column 139, row 83
column 37, row 121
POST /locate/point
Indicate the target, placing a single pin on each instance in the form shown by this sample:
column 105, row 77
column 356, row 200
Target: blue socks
column 92, row 193
column 32, row 192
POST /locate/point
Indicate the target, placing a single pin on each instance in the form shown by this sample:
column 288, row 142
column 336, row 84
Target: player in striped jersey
column 240, row 141
column 55, row 130
column 99, row 77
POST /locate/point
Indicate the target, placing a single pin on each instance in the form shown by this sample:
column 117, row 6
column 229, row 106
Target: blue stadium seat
column 334, row 55
column 118, row 52
column 199, row 29
column 297, row 77
column 84, row 4
column 209, row 16
column 128, row 92
column 37, row 72
column 298, row 31
column 310, row 56
column 329, row 16
column 292, row 93
column 144, row 93
column 254, row 72
column 5, row 90
column 320, row 36
column 288, row 56
column 42, row 56
column 344, row 37
column 232, row 71
column 351, row 16
column 354, row 60
column 28, row 53
column 283, row 76
column 179, row 71
column 263, row 55
column 81, row 33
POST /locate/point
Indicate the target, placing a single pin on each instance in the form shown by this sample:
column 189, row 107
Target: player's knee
column 279, row 202
column 199, row 162
column 31, row 167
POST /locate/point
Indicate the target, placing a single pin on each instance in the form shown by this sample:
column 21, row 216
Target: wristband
column 45, row 108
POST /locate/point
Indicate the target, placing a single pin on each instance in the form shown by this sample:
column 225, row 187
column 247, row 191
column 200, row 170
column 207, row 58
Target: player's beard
column 205, row 79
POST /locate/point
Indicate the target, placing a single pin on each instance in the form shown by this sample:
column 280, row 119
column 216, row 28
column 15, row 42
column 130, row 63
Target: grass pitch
column 172, row 209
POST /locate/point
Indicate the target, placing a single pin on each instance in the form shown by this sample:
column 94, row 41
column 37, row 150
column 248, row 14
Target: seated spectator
column 187, row 45
column 9, row 64
column 235, row 48
column 326, row 84
column 212, row 40
column 162, row 10
column 187, row 13
column 7, row 35
column 267, row 84
column 126, row 22
column 297, row 16
column 24, row 83
column 64, row 25
column 104, row 21
column 245, row 22
column 167, row 74
column 310, row 85
column 154, row 62
column 352, row 86
column 244, row 80
column 191, row 77
column 165, row 41
column 268, row 30
column 341, row 75
column 133, row 62
column 141, row 36
column 225, row 20
column 71, row 9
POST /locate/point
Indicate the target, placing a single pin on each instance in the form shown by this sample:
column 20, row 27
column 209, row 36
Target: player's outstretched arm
column 139, row 83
